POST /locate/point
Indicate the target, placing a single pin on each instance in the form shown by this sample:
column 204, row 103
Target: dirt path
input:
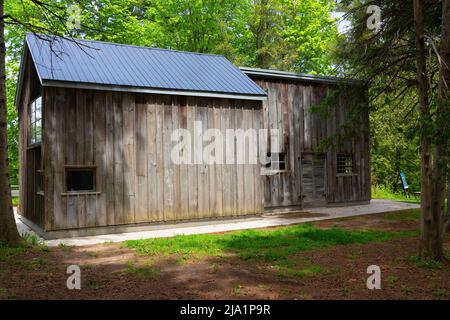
column 111, row 271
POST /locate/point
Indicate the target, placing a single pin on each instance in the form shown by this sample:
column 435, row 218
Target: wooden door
column 34, row 202
column 314, row 179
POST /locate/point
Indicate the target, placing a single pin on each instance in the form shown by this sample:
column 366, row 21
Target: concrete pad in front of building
column 273, row 219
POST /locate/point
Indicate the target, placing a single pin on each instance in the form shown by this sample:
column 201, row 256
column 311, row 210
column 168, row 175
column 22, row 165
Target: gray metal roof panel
column 286, row 75
column 96, row 62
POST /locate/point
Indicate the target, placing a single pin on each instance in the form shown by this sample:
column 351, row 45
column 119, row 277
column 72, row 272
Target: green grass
column 34, row 241
column 36, row 263
column 30, row 242
column 426, row 263
column 145, row 271
column 304, row 272
column 7, row 253
column 408, row 216
column 237, row 290
column 381, row 192
column 31, row 239
column 440, row 293
column 92, row 284
column 65, row 247
column 276, row 246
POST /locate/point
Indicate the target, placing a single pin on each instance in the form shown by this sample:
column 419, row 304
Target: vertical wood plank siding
column 288, row 108
column 127, row 137
column 30, row 158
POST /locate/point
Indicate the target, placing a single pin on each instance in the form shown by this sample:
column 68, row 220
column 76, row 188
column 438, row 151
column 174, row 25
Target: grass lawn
column 274, row 245
column 322, row 260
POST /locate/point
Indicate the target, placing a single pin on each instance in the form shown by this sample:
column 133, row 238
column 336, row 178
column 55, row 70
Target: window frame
column 69, row 168
column 345, row 166
column 273, row 166
column 32, row 122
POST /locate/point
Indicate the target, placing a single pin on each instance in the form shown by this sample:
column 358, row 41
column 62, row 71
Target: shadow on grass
column 260, row 245
column 407, row 215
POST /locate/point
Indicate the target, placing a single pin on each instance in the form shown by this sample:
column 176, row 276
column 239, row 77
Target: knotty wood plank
column 192, row 168
column 183, row 170
column 100, row 160
column 109, row 160
column 160, row 157
column 57, row 158
column 119, row 188
column 129, row 168
column 176, row 109
column 152, row 160
column 141, row 212
column 169, row 213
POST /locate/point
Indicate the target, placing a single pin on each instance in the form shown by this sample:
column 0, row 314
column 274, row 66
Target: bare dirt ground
column 111, row 271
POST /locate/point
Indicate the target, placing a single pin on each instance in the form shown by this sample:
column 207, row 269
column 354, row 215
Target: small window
column 36, row 121
column 344, row 163
column 277, row 161
column 80, row 179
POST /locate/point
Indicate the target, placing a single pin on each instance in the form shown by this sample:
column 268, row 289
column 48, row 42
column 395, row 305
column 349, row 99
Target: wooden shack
column 96, row 137
column 326, row 154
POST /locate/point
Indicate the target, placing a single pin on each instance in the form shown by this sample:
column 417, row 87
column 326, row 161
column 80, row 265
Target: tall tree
column 443, row 147
column 290, row 35
column 8, row 229
column 48, row 17
column 399, row 60
column 430, row 223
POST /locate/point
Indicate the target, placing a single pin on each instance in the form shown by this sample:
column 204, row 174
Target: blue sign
column 403, row 178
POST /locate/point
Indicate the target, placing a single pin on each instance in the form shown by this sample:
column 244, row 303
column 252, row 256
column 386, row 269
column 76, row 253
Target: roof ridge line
column 127, row 45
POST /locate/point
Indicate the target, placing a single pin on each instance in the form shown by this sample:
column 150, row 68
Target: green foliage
column 285, row 34
column 15, row 201
column 381, row 192
column 289, row 35
column 13, row 124
column 386, row 61
column 395, row 145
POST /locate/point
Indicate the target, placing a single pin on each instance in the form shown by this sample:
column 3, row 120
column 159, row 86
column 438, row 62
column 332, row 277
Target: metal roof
column 285, row 75
column 110, row 66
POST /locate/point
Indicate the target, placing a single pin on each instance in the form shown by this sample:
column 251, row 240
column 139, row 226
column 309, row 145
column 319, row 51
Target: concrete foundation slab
column 272, row 219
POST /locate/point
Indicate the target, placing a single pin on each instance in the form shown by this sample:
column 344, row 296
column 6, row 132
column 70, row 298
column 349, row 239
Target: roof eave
column 25, row 52
column 106, row 87
column 20, row 78
column 285, row 75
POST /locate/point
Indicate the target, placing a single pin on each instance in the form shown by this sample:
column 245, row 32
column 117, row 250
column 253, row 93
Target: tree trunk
column 448, row 198
column 8, row 228
column 443, row 112
column 430, row 239
column 447, row 217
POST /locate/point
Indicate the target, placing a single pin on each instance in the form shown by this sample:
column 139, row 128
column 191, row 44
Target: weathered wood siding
column 30, row 165
column 302, row 131
column 127, row 137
